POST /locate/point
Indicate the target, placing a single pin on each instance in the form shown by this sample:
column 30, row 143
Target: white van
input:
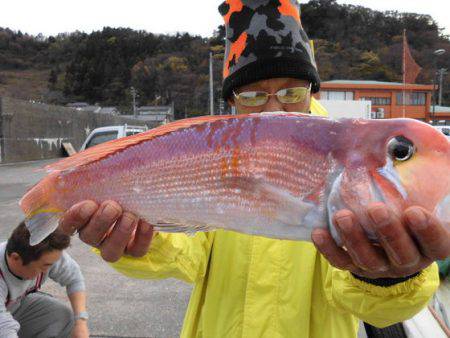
column 105, row 134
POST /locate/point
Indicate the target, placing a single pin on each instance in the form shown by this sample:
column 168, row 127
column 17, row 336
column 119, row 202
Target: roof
column 365, row 82
column 368, row 84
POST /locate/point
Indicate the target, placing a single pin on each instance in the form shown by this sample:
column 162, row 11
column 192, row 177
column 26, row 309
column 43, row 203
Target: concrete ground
column 118, row 306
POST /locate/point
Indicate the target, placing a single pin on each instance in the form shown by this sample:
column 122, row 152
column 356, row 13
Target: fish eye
column 400, row 148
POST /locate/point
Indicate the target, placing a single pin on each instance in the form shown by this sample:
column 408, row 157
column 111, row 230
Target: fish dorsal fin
column 108, row 148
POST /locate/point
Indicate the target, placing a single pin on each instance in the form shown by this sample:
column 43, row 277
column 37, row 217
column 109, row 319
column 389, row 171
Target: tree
column 351, row 42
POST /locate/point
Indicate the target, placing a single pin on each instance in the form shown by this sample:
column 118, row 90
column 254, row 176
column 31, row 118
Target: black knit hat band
column 268, row 69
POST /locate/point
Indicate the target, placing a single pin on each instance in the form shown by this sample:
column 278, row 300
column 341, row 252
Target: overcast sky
column 51, row 17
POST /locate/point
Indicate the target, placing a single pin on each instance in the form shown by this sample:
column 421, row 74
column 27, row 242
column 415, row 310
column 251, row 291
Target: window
column 411, row 99
column 378, row 101
column 335, row 95
column 133, row 132
column 101, row 138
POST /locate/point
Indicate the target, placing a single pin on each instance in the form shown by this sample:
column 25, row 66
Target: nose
column 273, row 104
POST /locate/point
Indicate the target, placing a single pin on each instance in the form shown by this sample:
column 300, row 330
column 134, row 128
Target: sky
column 199, row 17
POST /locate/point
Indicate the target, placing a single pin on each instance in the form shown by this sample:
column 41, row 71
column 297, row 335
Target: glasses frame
column 268, row 95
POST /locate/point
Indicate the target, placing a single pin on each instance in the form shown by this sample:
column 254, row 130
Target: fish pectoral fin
column 179, row 227
column 287, row 199
column 260, row 187
column 334, row 204
column 41, row 224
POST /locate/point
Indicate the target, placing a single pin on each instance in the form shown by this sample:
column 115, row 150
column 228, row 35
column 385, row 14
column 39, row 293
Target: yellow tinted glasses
column 287, row 95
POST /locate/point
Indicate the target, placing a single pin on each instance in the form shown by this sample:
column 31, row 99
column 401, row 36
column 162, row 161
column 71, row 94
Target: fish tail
column 42, row 217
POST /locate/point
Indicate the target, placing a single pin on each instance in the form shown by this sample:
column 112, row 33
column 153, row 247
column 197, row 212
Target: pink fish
column 274, row 175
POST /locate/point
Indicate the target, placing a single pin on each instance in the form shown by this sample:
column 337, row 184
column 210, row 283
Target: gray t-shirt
column 65, row 271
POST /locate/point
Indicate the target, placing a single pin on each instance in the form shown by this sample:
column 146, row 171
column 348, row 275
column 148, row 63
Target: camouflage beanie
column 265, row 39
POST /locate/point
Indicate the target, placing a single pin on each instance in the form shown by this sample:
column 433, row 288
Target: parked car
column 105, row 134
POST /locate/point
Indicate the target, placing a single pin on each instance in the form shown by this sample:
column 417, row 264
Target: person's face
column 272, row 86
column 34, row 268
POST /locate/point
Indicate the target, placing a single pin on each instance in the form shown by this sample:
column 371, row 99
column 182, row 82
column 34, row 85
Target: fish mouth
column 391, row 175
column 443, row 211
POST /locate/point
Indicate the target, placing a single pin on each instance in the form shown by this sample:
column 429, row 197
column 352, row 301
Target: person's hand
column 404, row 246
column 107, row 228
column 80, row 329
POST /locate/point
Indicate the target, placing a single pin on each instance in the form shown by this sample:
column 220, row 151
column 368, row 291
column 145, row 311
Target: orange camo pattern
column 288, row 9
column 236, row 50
column 274, row 32
column 235, row 6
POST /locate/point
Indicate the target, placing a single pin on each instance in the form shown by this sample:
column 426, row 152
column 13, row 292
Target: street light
column 437, row 53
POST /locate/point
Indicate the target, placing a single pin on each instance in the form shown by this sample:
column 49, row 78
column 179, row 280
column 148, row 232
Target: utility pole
column 436, row 53
column 433, row 98
column 442, row 72
column 211, row 85
column 133, row 95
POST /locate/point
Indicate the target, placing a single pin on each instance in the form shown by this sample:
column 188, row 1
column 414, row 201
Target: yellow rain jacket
column 249, row 286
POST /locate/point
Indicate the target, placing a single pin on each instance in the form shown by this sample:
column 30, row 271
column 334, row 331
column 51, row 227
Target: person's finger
column 363, row 253
column 432, row 236
column 326, row 245
column 77, row 217
column 113, row 246
column 140, row 244
column 393, row 237
column 99, row 225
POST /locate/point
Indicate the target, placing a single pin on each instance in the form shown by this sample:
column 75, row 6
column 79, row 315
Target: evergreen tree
column 351, row 42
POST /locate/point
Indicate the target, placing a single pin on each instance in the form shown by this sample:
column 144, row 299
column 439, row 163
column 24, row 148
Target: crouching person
column 24, row 310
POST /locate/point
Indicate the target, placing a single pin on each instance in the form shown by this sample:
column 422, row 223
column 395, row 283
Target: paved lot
column 118, row 306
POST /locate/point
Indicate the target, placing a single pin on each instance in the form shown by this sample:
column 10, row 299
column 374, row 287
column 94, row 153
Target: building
column 155, row 115
column 386, row 98
column 349, row 109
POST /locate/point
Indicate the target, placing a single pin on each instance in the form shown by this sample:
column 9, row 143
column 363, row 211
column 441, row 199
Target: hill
column 351, row 42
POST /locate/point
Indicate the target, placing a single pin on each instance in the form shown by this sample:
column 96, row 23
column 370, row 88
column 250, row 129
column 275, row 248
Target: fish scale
column 275, row 175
